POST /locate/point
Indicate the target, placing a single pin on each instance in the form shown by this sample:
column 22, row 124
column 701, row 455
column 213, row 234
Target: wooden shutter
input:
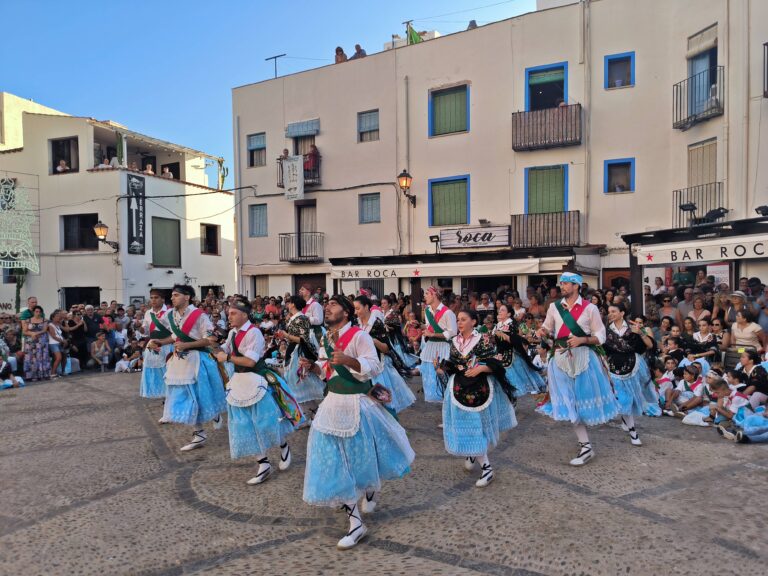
column 702, row 163
column 546, row 190
column 166, row 242
column 449, row 202
column 449, row 110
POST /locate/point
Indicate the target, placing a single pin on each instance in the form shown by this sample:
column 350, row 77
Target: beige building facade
column 165, row 230
column 534, row 144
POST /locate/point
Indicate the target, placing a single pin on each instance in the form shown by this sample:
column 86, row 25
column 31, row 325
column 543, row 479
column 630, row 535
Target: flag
column 413, row 36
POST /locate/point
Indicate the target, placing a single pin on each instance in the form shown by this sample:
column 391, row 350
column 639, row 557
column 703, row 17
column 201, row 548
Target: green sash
column 575, row 329
column 160, row 331
column 176, row 330
column 432, row 322
column 344, row 382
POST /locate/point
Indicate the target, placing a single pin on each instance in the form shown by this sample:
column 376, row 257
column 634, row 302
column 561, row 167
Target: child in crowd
column 7, row 379
column 736, row 379
column 724, row 410
column 673, row 350
column 413, row 332
column 687, row 393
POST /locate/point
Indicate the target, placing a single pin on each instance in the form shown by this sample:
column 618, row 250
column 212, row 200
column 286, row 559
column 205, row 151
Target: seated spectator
column 340, row 56
column 7, row 378
column 359, row 53
column 721, row 334
column 698, row 312
column 705, row 345
column 687, row 393
column 672, row 349
column 747, row 334
column 658, row 286
column 736, row 379
column 100, row 352
column 62, row 167
column 167, row 173
column 756, row 378
column 729, row 402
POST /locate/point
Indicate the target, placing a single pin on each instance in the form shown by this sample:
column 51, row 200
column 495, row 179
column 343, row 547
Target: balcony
column 548, row 128
column 311, row 171
column 698, row 98
column 707, row 200
column 301, row 247
column 547, row 230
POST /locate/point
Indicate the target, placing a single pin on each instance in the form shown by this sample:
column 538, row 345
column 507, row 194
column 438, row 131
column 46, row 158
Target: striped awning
column 306, row 128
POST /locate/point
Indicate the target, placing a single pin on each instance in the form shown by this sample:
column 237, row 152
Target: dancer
column 624, row 345
column 303, row 384
column 403, row 361
column 480, row 403
column 255, row 420
column 313, row 310
column 441, row 327
column 578, row 383
column 376, row 310
column 153, row 373
column 194, row 387
column 520, row 369
column 402, row 397
column 354, row 443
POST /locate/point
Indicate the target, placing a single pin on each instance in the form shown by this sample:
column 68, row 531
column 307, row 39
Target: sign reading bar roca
column 715, row 250
column 474, row 237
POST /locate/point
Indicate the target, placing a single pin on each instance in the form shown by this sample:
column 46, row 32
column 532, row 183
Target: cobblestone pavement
column 91, row 484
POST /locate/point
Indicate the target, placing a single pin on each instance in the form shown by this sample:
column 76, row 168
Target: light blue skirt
column 629, row 388
column 585, row 399
column 409, row 360
column 431, row 351
column 198, row 403
column 390, row 378
column 523, row 377
column 5, row 384
column 474, row 433
column 308, row 388
column 256, row 428
column 152, row 383
column 341, row 469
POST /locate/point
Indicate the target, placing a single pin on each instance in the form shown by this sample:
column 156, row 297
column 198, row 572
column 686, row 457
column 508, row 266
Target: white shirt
column 589, row 321
column 447, row 322
column 148, row 319
column 362, row 349
column 202, row 328
column 315, row 313
column 252, row 345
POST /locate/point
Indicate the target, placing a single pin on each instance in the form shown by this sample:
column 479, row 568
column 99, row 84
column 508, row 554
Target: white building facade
column 165, row 230
column 534, row 144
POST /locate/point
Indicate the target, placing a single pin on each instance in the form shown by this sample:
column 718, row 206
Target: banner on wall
column 136, row 215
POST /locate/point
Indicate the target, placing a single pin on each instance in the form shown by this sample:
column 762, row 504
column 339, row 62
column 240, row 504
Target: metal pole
column 275, row 59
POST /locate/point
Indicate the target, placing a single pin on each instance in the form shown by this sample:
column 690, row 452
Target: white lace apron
column 245, row 389
column 181, row 371
column 572, row 361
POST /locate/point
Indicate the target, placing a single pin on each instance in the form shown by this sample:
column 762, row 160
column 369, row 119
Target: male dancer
column 255, row 420
column 354, row 443
column 441, row 327
column 153, row 374
column 578, row 382
column 195, row 390
column 314, row 311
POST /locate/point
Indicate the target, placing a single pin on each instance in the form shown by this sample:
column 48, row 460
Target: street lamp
column 404, row 180
column 101, row 230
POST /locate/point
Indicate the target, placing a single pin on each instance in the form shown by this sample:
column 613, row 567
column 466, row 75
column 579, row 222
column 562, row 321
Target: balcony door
column 302, row 144
column 306, row 219
column 702, row 163
column 702, row 70
column 546, row 190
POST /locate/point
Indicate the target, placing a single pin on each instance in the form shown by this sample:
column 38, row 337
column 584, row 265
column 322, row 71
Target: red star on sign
column 649, row 258
column 416, row 272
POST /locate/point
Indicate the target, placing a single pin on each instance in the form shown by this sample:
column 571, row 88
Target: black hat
column 242, row 305
column 344, row 302
column 184, row 289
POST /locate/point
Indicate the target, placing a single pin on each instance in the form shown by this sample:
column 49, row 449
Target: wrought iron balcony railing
column 546, row 230
column 701, row 204
column 548, row 128
column 698, row 98
column 301, row 247
column 311, row 170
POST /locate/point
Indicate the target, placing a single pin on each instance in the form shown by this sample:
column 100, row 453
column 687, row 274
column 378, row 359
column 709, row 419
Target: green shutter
column 546, row 76
column 449, row 202
column 546, row 190
column 449, row 110
column 166, row 242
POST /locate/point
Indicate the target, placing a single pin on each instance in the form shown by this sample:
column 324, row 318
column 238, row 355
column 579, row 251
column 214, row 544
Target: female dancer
column 479, row 400
column 303, row 384
column 403, row 361
column 624, row 345
column 402, row 397
column 521, row 372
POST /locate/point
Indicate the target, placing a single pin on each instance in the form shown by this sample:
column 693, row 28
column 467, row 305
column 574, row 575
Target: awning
column 714, row 250
column 442, row 269
column 306, row 128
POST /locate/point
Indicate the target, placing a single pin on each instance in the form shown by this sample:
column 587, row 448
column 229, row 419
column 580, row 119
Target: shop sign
column 705, row 251
column 474, row 237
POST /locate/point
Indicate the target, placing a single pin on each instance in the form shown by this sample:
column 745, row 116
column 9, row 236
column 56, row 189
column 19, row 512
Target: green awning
column 546, row 76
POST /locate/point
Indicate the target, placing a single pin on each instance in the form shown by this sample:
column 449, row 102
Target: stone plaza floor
column 91, row 484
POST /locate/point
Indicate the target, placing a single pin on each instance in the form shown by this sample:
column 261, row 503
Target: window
column 209, row 239
column 260, row 285
column 619, row 175
column 78, row 232
column 8, row 276
column 368, row 126
column 702, row 163
column 257, row 220
column 546, row 189
column 370, row 208
column 620, row 70
column 166, row 242
column 302, row 145
column 546, row 86
column 64, row 155
column 257, row 150
column 449, row 201
column 449, row 110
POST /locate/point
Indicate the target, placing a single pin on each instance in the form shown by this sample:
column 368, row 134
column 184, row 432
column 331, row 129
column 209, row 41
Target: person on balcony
column 148, row 170
column 62, row 167
column 340, row 56
column 311, row 161
column 359, row 53
column 167, row 173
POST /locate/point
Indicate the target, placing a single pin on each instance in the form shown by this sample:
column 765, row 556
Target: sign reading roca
column 474, row 237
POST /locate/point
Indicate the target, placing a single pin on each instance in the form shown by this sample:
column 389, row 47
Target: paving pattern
column 91, row 484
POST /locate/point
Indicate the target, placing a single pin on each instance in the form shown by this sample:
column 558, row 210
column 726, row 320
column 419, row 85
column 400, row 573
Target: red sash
column 375, row 307
column 576, row 312
column 152, row 324
column 190, row 321
column 304, row 310
column 437, row 315
column 341, row 344
column 241, row 335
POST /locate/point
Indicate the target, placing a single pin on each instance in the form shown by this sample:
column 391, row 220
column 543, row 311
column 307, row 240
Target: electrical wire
column 463, row 11
column 206, row 217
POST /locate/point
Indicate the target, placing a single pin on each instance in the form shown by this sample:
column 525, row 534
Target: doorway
column 314, row 281
column 81, row 295
column 175, row 169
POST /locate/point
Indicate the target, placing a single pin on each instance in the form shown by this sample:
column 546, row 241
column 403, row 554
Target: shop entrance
column 489, row 284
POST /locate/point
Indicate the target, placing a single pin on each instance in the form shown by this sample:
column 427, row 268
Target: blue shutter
column 367, row 121
column 370, row 208
column 257, row 216
column 257, row 141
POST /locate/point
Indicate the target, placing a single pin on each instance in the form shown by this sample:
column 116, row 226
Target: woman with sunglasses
column 667, row 309
column 721, row 334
